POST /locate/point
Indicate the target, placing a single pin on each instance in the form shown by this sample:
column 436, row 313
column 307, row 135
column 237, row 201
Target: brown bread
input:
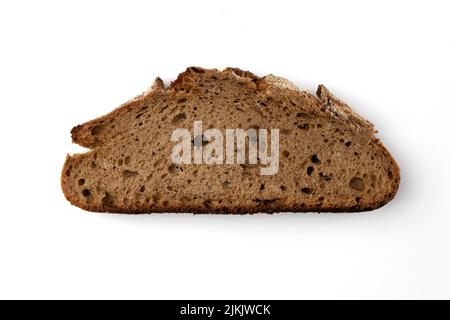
column 330, row 159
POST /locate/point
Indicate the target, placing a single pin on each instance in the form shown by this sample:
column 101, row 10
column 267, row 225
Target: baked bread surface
column 329, row 157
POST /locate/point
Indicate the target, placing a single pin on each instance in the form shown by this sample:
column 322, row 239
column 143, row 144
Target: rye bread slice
column 330, row 159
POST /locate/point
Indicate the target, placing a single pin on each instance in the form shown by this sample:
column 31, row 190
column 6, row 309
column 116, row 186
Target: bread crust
column 88, row 135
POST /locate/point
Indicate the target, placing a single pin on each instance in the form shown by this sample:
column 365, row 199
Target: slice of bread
column 329, row 157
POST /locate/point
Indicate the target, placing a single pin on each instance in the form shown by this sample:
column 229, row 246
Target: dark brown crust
column 82, row 135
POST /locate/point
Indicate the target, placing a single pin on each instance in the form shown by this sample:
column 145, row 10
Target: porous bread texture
column 330, row 159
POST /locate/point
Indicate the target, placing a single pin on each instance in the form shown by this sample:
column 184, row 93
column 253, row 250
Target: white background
column 65, row 62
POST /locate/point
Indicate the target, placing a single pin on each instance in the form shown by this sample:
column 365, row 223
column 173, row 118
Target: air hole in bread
column 179, row 118
column 129, row 173
column 314, row 159
column 86, row 193
column 262, row 187
column 95, row 130
column 357, row 183
column 309, row 170
column 324, row 176
column 81, row 182
column 283, row 188
column 373, row 180
column 307, row 190
column 285, row 153
column 156, row 197
column 207, row 203
column 303, row 126
column 161, row 110
column 348, row 143
column 142, row 189
column 262, row 104
column 390, row 175
column 226, row 184
column 107, row 200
